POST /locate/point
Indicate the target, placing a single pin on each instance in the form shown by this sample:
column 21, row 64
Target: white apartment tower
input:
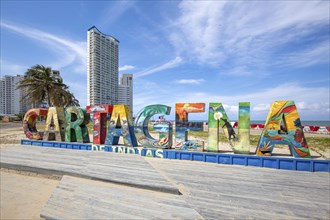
column 10, row 97
column 125, row 92
column 102, row 68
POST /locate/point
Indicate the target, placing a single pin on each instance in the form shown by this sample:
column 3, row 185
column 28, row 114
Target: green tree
column 61, row 96
column 40, row 85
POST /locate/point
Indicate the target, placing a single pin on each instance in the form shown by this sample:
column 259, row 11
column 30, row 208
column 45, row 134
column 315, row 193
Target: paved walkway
column 209, row 191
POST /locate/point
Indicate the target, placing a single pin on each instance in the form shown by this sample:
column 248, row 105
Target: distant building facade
column 125, row 92
column 102, row 68
column 56, row 74
column 10, row 97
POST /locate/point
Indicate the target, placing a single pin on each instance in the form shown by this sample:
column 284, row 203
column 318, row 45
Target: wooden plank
column 98, row 200
column 123, row 169
column 220, row 191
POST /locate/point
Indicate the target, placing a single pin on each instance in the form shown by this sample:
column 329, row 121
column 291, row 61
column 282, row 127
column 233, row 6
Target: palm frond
column 40, row 86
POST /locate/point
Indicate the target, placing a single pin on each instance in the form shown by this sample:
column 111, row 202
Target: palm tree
column 61, row 96
column 41, row 85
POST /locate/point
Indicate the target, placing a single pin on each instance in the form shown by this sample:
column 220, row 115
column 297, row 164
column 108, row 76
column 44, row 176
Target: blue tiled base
column 236, row 159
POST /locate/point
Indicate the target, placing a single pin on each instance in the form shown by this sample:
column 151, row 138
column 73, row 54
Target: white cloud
column 312, row 103
column 195, row 30
column 306, row 57
column 190, row 81
column 114, row 12
column 79, row 90
column 126, row 68
column 71, row 57
column 8, row 68
column 233, row 109
column 313, row 106
column 261, row 107
column 155, row 69
column 70, row 51
column 247, row 34
column 241, row 70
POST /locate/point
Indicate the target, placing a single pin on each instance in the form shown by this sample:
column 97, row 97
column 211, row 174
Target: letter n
column 217, row 117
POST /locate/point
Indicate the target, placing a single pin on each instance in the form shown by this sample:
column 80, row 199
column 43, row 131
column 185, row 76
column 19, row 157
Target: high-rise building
column 56, row 74
column 125, row 92
column 102, row 68
column 11, row 98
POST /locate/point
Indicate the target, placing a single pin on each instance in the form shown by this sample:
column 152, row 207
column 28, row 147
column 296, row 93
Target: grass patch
column 320, row 145
column 222, row 138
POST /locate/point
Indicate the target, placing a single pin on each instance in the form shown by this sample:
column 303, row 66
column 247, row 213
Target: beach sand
column 23, row 196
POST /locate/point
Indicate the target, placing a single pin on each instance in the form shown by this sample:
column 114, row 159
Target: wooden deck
column 209, row 191
column 77, row 198
column 116, row 168
column 225, row 191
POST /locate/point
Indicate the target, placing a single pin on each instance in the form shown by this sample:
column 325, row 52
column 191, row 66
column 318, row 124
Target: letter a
column 121, row 124
column 292, row 134
column 55, row 124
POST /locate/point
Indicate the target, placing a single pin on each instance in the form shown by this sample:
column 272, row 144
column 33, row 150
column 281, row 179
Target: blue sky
column 189, row 51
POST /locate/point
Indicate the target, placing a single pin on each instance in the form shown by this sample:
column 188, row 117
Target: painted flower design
column 217, row 115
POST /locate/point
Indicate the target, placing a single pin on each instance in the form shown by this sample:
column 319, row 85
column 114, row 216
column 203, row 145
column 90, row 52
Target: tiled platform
column 285, row 163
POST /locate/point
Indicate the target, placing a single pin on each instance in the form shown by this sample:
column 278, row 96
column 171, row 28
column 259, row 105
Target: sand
column 23, row 196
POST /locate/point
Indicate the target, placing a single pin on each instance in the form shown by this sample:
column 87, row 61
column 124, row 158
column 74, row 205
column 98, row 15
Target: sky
column 183, row 51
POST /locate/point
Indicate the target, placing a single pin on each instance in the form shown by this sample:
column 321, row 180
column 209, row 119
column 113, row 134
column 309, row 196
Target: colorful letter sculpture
column 71, row 127
column 290, row 134
column 30, row 121
column 217, row 117
column 55, row 124
column 182, row 126
column 165, row 128
column 76, row 121
column 121, row 124
column 165, row 131
column 100, row 113
column 243, row 145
